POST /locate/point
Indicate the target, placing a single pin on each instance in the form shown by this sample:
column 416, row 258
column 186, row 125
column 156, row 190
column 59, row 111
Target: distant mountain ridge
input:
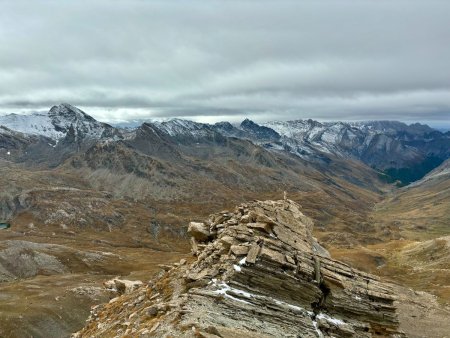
column 381, row 144
column 404, row 152
column 57, row 122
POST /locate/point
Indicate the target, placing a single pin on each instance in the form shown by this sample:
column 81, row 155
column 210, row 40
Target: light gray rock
column 200, row 231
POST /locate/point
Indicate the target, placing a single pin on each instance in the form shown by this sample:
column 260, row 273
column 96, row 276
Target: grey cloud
column 228, row 59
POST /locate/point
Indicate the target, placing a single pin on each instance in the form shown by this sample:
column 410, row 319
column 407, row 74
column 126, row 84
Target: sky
column 212, row 60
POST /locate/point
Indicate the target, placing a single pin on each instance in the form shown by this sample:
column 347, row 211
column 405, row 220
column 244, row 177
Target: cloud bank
column 216, row 60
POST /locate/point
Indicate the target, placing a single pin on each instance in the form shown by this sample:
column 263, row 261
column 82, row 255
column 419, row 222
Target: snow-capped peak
column 177, row 126
column 34, row 124
column 57, row 122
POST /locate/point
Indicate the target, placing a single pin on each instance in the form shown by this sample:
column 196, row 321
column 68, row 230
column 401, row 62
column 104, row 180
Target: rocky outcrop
column 258, row 272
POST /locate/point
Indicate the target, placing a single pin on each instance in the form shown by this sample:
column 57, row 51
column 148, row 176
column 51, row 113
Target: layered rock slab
column 259, row 272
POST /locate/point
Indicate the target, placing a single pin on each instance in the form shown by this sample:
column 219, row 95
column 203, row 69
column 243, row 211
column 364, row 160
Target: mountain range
column 399, row 151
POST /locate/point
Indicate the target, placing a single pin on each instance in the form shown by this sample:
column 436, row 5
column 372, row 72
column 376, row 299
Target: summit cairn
column 257, row 272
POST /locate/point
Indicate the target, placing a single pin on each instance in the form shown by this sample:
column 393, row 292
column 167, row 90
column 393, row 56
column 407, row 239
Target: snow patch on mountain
column 34, row 124
column 57, row 123
column 176, row 127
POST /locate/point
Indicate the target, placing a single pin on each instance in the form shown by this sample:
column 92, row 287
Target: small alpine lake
column 4, row 225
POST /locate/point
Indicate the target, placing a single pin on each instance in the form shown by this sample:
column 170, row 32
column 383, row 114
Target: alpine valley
column 301, row 228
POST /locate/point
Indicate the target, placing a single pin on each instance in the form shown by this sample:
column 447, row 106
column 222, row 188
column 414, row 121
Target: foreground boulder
column 198, row 231
column 122, row 286
column 259, row 273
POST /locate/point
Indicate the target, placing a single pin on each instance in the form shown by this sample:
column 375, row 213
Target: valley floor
column 51, row 273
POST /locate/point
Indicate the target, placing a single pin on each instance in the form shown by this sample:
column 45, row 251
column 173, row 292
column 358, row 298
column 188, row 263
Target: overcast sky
column 226, row 60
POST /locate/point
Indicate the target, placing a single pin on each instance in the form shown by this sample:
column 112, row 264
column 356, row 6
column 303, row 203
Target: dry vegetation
column 140, row 226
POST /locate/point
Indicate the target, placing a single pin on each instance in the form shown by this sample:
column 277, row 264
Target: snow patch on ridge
column 224, row 288
column 176, row 127
column 34, row 124
column 56, row 123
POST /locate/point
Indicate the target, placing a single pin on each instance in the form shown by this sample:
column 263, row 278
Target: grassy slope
column 417, row 220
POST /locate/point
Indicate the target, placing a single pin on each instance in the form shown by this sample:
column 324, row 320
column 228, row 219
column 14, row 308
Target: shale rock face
column 258, row 272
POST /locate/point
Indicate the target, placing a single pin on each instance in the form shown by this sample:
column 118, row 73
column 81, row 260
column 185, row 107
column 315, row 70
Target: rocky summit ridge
column 257, row 272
